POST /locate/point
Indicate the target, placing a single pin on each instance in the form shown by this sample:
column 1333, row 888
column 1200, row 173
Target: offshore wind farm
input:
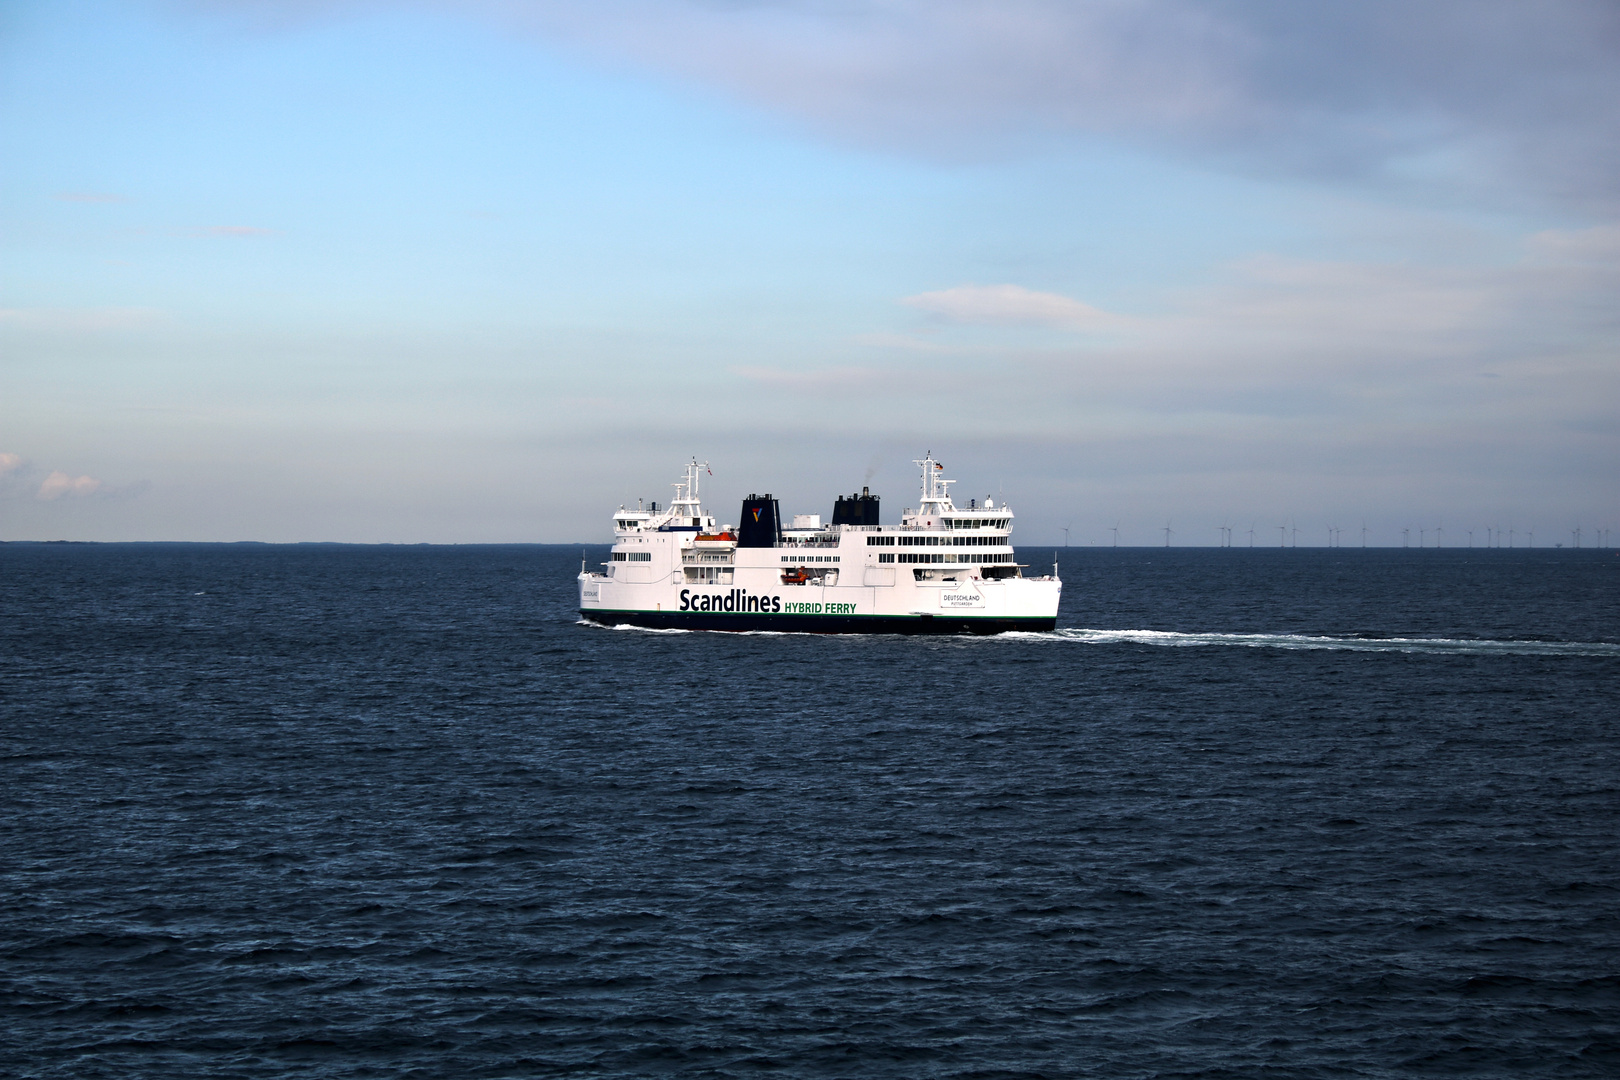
column 1576, row 537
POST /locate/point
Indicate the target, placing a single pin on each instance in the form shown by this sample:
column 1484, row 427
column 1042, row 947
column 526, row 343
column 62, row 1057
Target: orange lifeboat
column 796, row 576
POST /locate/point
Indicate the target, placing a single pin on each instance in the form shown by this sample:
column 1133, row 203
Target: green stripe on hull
column 944, row 623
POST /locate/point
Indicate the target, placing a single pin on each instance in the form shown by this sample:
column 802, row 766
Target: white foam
column 1172, row 639
column 1457, row 646
column 627, row 626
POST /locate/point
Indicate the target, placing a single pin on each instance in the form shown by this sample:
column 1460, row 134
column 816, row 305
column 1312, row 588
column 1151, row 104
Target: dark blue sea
column 324, row 811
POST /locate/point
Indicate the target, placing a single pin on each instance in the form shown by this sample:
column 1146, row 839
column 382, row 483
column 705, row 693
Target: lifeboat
column 796, row 576
column 720, row 541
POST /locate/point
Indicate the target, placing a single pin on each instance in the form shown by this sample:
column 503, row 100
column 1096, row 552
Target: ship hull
column 734, row 622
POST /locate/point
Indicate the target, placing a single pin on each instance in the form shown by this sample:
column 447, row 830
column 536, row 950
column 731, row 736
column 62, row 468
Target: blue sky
column 479, row 272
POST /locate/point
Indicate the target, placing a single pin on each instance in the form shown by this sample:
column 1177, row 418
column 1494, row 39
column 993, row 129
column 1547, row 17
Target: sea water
column 327, row 811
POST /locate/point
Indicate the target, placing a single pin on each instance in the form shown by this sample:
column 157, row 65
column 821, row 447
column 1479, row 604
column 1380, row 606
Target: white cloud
column 1450, row 94
column 9, row 463
column 1012, row 305
column 59, row 484
column 80, row 319
column 1601, row 243
column 1478, row 351
column 806, row 378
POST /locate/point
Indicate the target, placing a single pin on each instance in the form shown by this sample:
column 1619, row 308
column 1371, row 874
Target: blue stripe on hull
column 817, row 624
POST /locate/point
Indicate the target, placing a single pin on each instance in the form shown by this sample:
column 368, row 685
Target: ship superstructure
column 942, row 569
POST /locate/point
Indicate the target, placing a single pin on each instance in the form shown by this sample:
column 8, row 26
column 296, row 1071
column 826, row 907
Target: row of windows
column 930, row 557
column 976, row 523
column 809, row 558
column 686, row 523
column 936, row 541
column 632, row 556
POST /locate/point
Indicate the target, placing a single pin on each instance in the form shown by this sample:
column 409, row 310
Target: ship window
column 885, row 556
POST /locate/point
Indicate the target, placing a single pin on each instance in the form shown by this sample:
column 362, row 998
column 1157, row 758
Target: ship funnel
column 761, row 522
column 859, row 509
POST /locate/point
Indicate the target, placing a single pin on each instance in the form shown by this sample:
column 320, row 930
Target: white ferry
column 944, row 569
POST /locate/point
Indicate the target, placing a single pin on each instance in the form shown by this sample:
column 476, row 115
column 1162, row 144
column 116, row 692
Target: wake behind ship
column 942, row 570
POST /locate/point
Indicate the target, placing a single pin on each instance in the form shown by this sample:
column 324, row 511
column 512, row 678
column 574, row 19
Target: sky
column 482, row 271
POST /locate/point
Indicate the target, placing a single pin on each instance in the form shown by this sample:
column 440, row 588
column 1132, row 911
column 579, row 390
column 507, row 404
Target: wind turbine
column 1576, row 533
column 1470, row 539
column 1406, row 538
column 1251, row 534
column 1511, row 534
column 1439, row 536
column 1066, row 534
column 1363, row 532
column 1282, row 536
column 1167, row 532
column 1115, row 531
column 1532, row 538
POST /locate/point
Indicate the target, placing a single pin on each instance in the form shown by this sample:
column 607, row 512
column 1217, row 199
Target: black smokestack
column 761, row 522
column 859, row 509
